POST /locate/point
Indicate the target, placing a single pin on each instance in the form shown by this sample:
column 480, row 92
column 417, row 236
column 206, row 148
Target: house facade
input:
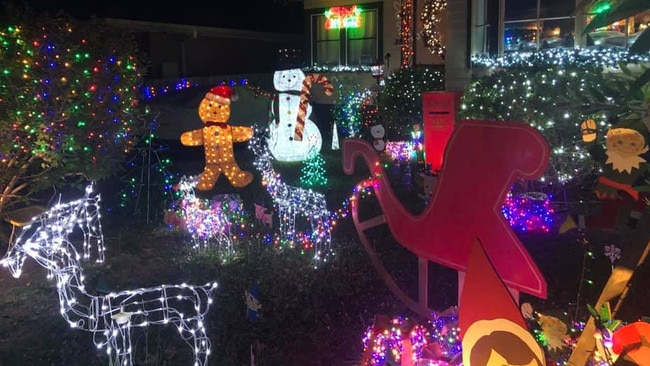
column 348, row 34
column 187, row 51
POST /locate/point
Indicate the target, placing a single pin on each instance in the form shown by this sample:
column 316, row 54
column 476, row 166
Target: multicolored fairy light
column 292, row 203
column 529, row 212
column 386, row 342
column 210, row 223
column 69, row 98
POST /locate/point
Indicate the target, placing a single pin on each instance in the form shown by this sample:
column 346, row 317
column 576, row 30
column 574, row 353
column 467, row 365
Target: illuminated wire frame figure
column 208, row 224
column 66, row 217
column 111, row 318
column 293, row 201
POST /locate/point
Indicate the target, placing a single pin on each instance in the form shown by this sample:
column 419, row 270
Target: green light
column 602, row 8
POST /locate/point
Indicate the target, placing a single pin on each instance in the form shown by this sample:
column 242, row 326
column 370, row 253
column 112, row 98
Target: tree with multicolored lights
column 68, row 102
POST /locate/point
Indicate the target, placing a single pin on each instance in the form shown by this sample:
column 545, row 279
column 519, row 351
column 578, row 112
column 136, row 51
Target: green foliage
column 346, row 111
column 68, row 101
column 400, row 101
column 534, row 95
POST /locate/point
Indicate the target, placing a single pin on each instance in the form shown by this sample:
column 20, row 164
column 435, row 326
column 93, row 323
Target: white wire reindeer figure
column 112, row 317
column 66, row 217
column 293, row 201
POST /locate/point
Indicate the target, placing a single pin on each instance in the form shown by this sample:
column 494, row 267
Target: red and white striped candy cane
column 305, row 95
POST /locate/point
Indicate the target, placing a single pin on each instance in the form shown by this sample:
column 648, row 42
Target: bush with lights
column 531, row 91
column 68, row 101
column 400, row 101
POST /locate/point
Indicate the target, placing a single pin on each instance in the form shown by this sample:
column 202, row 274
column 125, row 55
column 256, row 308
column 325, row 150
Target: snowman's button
column 290, row 138
column 288, row 98
column 288, row 124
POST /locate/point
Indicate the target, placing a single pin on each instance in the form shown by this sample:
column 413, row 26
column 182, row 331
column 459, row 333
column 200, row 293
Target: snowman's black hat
column 289, row 58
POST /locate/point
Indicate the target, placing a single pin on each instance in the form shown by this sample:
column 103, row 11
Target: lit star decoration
column 529, row 212
column 112, row 317
column 295, row 202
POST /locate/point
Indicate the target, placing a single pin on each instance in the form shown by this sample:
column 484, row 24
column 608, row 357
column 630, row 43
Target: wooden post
column 617, row 286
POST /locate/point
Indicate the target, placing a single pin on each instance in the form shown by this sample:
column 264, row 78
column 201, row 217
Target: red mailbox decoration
column 439, row 110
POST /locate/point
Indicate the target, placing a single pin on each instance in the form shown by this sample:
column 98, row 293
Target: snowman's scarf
column 274, row 105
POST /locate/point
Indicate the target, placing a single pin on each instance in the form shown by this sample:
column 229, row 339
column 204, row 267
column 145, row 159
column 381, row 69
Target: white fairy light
column 110, row 317
column 293, row 201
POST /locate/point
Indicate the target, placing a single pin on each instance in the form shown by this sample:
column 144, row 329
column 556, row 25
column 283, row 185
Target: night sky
column 259, row 15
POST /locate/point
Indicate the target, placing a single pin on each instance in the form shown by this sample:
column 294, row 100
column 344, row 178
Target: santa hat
column 222, row 94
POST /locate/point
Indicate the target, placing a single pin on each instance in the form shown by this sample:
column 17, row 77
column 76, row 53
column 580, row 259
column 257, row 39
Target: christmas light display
column 400, row 151
column 348, row 108
column 338, row 17
column 207, row 221
column 148, row 172
column 431, row 21
column 400, row 101
column 68, row 102
column 608, row 58
column 291, row 202
column 529, row 212
column 154, row 91
column 111, row 318
column 529, row 93
column 313, row 171
column 217, row 138
column 292, row 134
column 406, row 33
column 335, row 137
column 388, row 341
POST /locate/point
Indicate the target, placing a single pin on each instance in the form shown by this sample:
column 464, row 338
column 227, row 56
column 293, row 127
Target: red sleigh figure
column 483, row 159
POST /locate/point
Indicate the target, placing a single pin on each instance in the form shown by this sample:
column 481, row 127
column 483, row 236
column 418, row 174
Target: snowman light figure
column 292, row 135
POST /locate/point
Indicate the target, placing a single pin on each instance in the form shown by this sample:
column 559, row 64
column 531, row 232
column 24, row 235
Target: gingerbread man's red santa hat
column 222, row 94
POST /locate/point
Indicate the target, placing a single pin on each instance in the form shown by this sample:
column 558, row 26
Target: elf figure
column 624, row 166
column 217, row 138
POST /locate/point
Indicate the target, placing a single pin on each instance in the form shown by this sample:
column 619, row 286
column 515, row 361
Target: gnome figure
column 217, row 138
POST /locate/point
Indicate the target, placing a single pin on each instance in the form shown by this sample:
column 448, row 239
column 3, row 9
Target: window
column 346, row 46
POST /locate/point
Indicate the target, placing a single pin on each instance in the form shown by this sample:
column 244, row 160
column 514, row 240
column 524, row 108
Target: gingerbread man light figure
column 217, row 137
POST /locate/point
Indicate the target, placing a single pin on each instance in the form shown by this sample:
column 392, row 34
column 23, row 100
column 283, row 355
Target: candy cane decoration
column 305, row 95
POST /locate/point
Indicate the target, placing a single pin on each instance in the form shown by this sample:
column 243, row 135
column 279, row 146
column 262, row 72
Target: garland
column 431, row 19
